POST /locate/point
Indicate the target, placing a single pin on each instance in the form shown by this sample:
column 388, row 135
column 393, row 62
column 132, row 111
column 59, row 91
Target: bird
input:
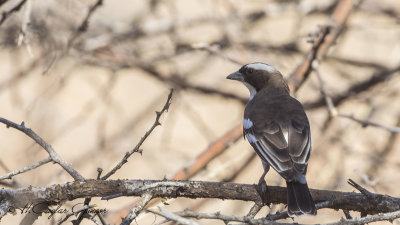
column 277, row 127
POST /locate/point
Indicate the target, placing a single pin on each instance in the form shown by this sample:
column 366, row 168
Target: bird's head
column 259, row 76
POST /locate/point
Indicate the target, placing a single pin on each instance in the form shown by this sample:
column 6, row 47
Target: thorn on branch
column 146, row 135
column 362, row 190
column 99, row 171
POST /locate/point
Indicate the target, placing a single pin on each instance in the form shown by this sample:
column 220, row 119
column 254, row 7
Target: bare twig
column 366, row 123
column 85, row 23
column 325, row 38
column 27, row 168
column 172, row 216
column 137, row 147
column 84, row 208
column 369, row 219
column 333, row 112
column 137, row 209
column 228, row 218
column 215, row 51
column 376, row 79
column 16, row 8
column 255, row 209
column 53, row 154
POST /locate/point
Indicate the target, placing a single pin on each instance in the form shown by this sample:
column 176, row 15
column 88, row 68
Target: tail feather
column 299, row 199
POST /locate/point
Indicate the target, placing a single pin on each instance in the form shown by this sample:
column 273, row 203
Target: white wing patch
column 262, row 66
column 247, row 123
column 286, row 135
column 251, row 138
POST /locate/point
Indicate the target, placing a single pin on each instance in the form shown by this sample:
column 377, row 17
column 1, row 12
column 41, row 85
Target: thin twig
column 145, row 198
column 255, row 209
column 27, row 168
column 74, row 212
column 369, row 219
column 366, row 123
column 214, row 49
column 137, row 147
column 85, row 23
column 227, row 218
column 333, row 112
column 53, row 154
column 16, row 8
column 173, row 217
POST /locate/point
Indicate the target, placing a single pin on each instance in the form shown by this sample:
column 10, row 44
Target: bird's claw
column 262, row 190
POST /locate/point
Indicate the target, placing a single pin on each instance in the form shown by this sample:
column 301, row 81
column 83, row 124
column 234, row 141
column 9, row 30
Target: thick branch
column 372, row 204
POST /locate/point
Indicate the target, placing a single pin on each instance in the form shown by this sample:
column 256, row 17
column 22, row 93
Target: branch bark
column 371, row 204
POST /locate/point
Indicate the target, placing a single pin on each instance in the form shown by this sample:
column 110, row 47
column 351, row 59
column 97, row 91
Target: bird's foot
column 262, row 190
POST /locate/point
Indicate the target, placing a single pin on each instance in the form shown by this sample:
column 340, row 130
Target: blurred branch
column 85, row 23
column 137, row 147
column 325, row 38
column 333, row 112
column 53, row 154
column 357, row 88
column 214, row 49
column 215, row 149
column 379, row 158
column 6, row 14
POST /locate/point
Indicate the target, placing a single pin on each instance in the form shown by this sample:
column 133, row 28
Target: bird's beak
column 235, row 76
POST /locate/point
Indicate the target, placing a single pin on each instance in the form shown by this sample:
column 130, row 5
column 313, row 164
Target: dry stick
column 27, row 168
column 85, row 23
column 375, row 79
column 137, row 147
column 228, row 218
column 333, row 112
column 369, row 219
column 366, row 123
column 325, row 39
column 137, row 209
column 53, row 154
column 74, row 213
column 373, row 218
column 381, row 156
column 172, row 217
column 215, row 51
column 16, row 8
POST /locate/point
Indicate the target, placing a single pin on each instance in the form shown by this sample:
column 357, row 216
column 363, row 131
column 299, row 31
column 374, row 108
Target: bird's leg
column 262, row 185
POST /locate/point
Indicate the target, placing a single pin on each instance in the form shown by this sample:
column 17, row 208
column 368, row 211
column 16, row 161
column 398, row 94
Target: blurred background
column 91, row 91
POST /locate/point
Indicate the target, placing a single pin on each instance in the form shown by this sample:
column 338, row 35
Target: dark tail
column 299, row 199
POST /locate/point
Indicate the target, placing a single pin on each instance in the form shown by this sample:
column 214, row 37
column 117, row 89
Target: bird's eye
column 250, row 70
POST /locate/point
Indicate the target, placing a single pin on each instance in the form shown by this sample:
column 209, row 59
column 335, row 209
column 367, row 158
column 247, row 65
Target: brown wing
column 281, row 138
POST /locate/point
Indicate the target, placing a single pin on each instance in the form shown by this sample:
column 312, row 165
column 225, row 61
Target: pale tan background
column 80, row 102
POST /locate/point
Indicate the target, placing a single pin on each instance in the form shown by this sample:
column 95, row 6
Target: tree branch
column 53, row 194
column 137, row 147
column 25, row 169
column 53, row 154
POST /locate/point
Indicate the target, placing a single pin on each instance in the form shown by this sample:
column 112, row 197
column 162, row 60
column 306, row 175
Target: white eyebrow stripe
column 247, row 123
column 262, row 66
